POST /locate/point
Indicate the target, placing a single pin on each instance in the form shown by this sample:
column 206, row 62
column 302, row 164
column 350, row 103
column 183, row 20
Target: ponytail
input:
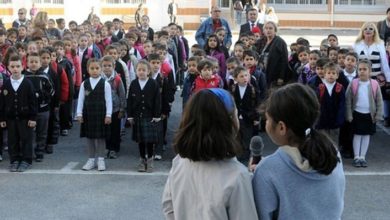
column 320, row 151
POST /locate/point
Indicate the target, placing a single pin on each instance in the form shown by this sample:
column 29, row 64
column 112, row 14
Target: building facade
column 291, row 13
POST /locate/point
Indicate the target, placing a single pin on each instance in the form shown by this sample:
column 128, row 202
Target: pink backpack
column 374, row 87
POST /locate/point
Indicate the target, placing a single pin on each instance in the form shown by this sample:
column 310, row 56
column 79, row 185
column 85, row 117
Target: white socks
column 360, row 145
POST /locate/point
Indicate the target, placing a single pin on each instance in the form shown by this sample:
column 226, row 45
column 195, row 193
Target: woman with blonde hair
column 39, row 24
column 368, row 45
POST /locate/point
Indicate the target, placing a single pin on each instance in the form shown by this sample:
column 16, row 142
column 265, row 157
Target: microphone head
column 256, row 146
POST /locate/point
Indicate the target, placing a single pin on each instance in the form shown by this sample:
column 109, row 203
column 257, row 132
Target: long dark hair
column 297, row 106
column 217, row 48
column 207, row 130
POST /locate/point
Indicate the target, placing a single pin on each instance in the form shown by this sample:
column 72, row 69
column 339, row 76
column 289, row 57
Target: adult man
column 210, row 25
column 384, row 27
column 21, row 18
column 252, row 22
column 117, row 28
column 172, row 11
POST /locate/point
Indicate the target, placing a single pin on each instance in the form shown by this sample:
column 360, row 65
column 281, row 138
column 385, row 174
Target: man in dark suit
column 252, row 22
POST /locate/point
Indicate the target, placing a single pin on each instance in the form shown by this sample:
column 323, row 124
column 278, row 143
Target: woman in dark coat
column 273, row 56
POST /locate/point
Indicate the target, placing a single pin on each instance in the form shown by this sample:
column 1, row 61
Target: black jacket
column 43, row 89
column 277, row 62
column 144, row 103
column 20, row 104
column 245, row 28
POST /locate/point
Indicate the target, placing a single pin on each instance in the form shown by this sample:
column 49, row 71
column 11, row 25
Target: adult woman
column 273, row 56
column 206, row 180
column 40, row 24
column 369, row 46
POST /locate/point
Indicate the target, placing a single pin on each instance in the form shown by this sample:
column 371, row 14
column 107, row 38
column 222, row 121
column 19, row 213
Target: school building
column 291, row 13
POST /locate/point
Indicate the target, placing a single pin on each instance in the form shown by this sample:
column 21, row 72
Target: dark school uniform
column 94, row 111
column 17, row 108
column 143, row 105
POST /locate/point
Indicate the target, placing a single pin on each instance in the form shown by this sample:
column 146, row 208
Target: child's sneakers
column 356, row 162
column 100, row 164
column 14, row 166
column 149, row 165
column 23, row 166
column 142, row 165
column 90, row 164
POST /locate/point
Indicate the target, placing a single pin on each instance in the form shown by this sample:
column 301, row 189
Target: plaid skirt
column 147, row 132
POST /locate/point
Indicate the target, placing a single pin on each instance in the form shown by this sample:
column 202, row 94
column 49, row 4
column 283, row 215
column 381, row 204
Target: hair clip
column 307, row 132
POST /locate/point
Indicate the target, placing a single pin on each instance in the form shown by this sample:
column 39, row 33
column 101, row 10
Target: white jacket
column 212, row 190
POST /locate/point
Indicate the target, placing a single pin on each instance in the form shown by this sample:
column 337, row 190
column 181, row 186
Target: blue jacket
column 206, row 29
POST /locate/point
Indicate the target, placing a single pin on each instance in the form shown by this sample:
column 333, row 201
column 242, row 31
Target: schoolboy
column 12, row 35
column 43, row 89
column 3, row 42
column 190, row 76
column 231, row 64
column 120, row 67
column 167, row 98
column 319, row 78
column 247, row 100
column 309, row 70
column 250, row 61
column 18, row 111
column 118, row 95
column 346, row 134
column 166, row 66
column 22, row 34
column 341, row 57
column 53, row 122
column 65, row 108
column 331, row 95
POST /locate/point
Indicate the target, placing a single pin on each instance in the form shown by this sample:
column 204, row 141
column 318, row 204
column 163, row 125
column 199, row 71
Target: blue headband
column 224, row 97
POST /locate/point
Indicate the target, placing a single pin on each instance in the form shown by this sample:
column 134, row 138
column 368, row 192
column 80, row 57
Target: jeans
column 238, row 17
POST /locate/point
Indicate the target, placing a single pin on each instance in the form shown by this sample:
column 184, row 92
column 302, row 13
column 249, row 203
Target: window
column 224, row 3
column 298, row 2
column 5, row 1
column 136, row 2
column 48, row 2
column 355, row 2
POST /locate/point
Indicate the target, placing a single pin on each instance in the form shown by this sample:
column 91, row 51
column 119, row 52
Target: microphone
column 256, row 147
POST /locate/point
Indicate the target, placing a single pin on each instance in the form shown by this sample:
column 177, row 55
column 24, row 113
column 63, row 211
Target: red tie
column 252, row 26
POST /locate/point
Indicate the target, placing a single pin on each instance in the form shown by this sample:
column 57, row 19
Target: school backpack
column 374, row 87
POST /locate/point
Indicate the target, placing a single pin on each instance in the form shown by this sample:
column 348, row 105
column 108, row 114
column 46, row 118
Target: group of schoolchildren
column 94, row 74
column 351, row 102
column 104, row 78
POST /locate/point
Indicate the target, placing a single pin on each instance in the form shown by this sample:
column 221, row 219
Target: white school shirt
column 107, row 96
column 350, row 76
column 329, row 87
column 16, row 83
column 242, row 90
column 363, row 100
column 81, row 53
column 142, row 83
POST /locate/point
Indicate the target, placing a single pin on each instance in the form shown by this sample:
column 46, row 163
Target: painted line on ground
column 81, row 172
column 159, row 173
column 70, row 166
